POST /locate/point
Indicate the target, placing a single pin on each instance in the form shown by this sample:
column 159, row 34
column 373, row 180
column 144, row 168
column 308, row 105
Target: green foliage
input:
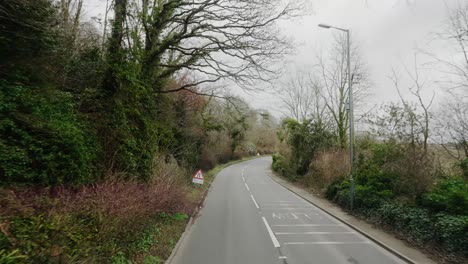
column 415, row 222
column 422, row 227
column 131, row 137
column 277, row 164
column 119, row 258
column 152, row 260
column 365, row 196
column 11, row 257
column 44, row 142
column 26, row 31
column 449, row 195
column 439, row 223
column 452, row 232
column 303, row 139
column 180, row 216
column 41, row 238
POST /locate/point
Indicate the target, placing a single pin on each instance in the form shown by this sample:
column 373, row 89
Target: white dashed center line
column 255, row 202
column 272, row 236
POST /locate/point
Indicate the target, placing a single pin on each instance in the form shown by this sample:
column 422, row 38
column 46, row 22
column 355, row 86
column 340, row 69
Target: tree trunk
column 114, row 51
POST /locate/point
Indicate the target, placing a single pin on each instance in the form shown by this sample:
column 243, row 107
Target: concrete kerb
column 197, row 210
column 383, row 245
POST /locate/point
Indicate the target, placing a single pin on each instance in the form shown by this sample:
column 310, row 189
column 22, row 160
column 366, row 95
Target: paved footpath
column 250, row 218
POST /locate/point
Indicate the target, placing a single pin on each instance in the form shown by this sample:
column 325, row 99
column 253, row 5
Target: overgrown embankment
column 109, row 222
column 100, row 133
column 398, row 186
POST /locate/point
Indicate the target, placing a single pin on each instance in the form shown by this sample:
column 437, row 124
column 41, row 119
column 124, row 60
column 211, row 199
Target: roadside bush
column 421, row 226
column 452, row 232
column 397, row 169
column 414, row 222
column 365, row 196
column 450, row 195
column 300, row 143
column 278, row 163
column 327, row 167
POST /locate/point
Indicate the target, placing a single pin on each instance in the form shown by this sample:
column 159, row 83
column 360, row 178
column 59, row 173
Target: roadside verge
column 385, row 240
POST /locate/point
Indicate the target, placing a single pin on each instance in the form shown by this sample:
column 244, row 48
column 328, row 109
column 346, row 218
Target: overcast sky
column 388, row 33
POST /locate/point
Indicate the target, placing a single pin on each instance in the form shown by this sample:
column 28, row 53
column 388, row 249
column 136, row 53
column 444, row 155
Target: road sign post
column 198, row 177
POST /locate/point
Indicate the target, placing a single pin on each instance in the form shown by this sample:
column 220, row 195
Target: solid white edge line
column 272, row 236
column 313, row 233
column 309, row 225
column 246, row 186
column 326, row 243
column 255, row 202
column 291, row 208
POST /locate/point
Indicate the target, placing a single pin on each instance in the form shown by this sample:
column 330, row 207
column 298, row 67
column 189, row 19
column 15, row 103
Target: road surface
column 249, row 218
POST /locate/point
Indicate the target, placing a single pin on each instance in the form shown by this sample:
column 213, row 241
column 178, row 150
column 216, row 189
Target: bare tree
column 302, row 98
column 453, row 127
column 455, row 67
column 419, row 122
column 452, row 121
column 234, row 40
column 334, row 80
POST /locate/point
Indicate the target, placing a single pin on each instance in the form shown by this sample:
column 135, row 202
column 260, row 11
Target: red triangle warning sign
column 198, row 177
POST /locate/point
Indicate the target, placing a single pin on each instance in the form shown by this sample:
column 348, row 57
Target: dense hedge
column 432, row 222
column 450, row 195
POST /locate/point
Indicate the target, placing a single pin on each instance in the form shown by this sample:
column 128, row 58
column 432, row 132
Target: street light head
column 324, row 26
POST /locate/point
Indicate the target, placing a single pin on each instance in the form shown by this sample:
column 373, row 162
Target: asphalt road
column 249, row 218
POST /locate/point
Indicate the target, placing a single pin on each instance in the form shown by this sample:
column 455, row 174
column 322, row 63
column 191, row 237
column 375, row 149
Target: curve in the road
column 250, row 218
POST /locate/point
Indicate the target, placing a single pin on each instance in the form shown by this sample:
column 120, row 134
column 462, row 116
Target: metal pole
column 350, row 113
column 351, row 122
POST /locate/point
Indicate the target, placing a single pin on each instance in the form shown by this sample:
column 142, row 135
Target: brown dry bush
column 89, row 221
column 217, row 150
column 327, row 167
column 415, row 172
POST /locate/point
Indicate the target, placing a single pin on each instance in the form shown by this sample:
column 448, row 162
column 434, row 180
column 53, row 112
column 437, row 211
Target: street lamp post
column 350, row 109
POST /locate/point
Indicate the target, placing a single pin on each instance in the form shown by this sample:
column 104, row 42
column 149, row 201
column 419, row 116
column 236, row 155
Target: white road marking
column 246, row 186
column 272, row 236
column 326, row 243
column 287, row 204
column 290, row 208
column 243, row 178
column 282, row 257
column 308, row 225
column 312, row 233
column 255, row 202
column 282, row 201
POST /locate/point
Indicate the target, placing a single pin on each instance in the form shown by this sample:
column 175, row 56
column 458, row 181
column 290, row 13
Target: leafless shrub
column 327, row 167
